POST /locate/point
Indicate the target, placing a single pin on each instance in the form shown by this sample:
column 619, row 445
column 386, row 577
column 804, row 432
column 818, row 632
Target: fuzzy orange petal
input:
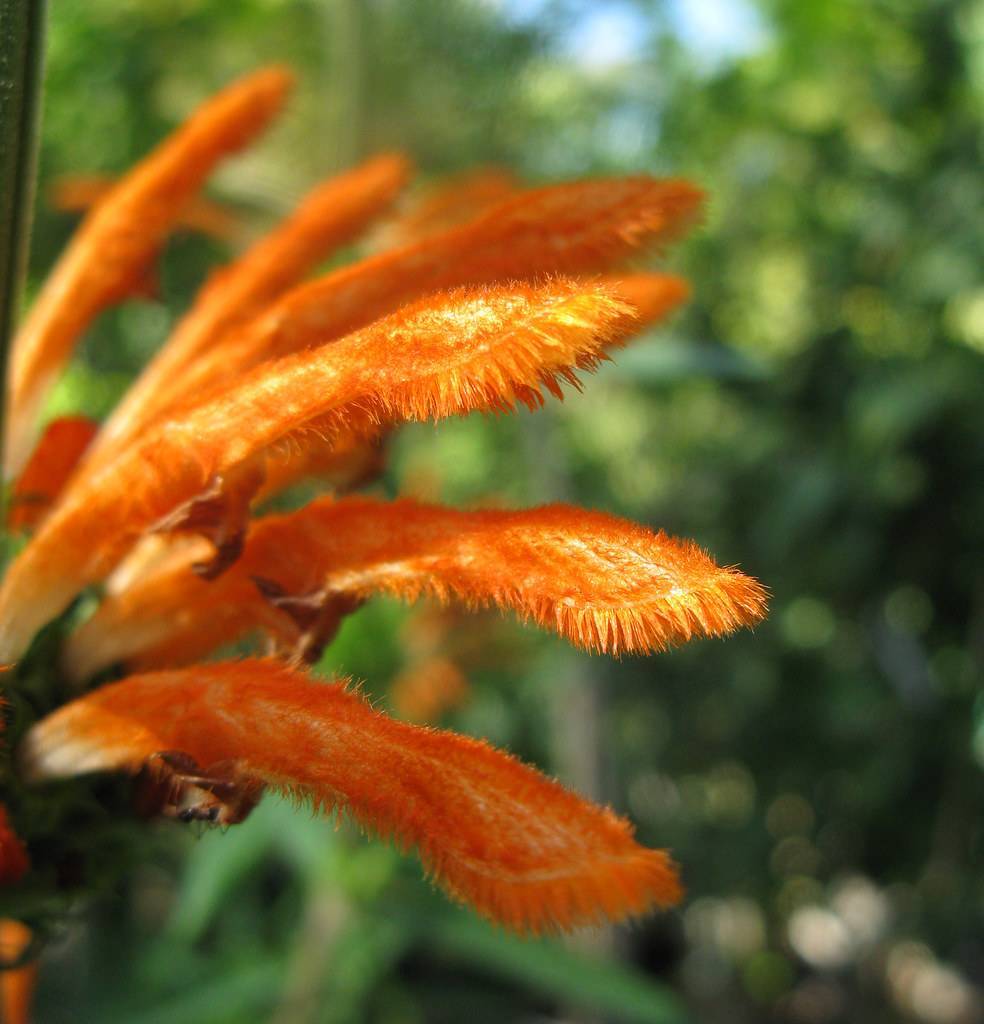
column 76, row 193
column 112, row 249
column 493, row 832
column 579, row 228
column 603, row 583
column 349, row 460
column 446, row 355
column 55, row 457
column 334, row 212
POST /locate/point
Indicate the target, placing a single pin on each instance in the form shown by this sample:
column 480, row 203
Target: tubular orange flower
column 580, row 228
column 602, row 583
column 517, row 847
column 333, row 213
column 53, row 461
column 77, row 193
column 112, row 249
column 444, row 356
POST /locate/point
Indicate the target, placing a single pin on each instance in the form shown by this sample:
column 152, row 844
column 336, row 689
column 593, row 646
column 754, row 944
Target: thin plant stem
column 22, row 25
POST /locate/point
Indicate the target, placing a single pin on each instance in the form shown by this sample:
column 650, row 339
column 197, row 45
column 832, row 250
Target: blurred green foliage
column 817, row 415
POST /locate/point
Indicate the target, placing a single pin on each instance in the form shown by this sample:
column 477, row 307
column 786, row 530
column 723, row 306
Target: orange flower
column 113, row 248
column 447, row 355
column 451, row 203
column 578, row 228
column 53, row 461
column 602, row 583
column 266, row 381
column 78, row 193
column 517, row 846
column 331, row 214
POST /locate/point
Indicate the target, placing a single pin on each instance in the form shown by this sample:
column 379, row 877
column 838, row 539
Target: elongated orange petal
column 344, row 462
column 114, row 245
column 447, row 355
column 602, row 582
column 77, row 193
column 57, row 453
column 332, row 214
column 494, row 833
column 579, row 228
column 452, row 202
column 17, row 984
column 652, row 296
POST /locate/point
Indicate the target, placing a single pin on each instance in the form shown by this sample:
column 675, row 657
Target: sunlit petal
column 579, row 228
column 333, row 213
column 602, row 582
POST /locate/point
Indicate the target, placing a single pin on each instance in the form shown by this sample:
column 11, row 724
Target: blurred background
column 815, row 415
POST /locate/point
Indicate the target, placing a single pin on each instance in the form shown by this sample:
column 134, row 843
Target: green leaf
column 608, row 987
column 233, row 995
column 216, row 867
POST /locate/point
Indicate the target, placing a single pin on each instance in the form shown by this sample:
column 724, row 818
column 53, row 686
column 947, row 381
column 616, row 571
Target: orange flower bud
column 115, row 244
column 579, row 228
column 494, row 833
column 76, row 193
column 601, row 582
column 333, row 213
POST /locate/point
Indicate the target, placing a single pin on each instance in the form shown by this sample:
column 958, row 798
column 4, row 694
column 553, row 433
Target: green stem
column 21, row 56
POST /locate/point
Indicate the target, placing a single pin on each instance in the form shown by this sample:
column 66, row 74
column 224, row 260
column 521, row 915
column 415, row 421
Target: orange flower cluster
column 486, row 296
